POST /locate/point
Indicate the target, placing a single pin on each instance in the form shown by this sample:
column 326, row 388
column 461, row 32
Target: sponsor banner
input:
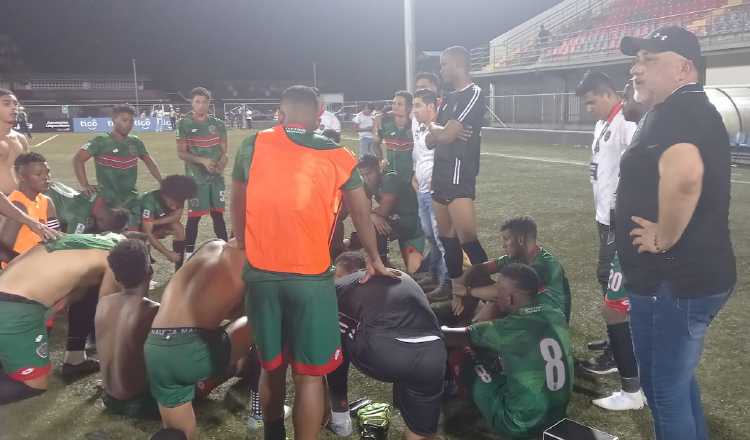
column 55, row 125
column 103, row 125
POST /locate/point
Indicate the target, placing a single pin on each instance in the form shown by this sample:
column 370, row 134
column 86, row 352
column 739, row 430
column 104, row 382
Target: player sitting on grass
column 390, row 334
column 518, row 236
column 82, row 214
column 47, row 276
column 157, row 214
column 186, row 344
column 397, row 214
column 518, row 369
column 123, row 320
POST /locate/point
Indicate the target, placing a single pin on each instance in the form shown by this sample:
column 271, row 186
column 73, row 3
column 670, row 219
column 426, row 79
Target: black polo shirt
column 702, row 262
column 466, row 106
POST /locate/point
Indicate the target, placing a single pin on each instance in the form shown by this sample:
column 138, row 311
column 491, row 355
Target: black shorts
column 453, row 179
column 417, row 371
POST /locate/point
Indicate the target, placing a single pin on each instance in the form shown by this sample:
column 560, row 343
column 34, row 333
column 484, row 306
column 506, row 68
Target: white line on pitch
column 46, row 140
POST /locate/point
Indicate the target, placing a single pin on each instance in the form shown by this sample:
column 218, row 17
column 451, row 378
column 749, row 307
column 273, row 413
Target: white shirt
column 364, row 121
column 422, row 157
column 329, row 121
column 611, row 139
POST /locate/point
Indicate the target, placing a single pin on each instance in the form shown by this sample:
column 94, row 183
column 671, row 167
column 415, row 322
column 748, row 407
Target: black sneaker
column 600, row 345
column 71, row 373
column 600, row 365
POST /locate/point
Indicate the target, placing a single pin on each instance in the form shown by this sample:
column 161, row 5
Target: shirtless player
column 186, row 343
column 61, row 269
column 12, row 143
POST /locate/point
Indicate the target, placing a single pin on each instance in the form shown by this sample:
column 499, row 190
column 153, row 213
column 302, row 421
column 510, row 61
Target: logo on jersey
column 42, row 350
column 80, row 227
column 146, row 213
column 212, row 129
column 607, row 135
column 26, row 372
column 195, row 130
column 39, row 339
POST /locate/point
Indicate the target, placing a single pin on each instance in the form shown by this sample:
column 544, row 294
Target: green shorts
column 409, row 245
column 295, row 320
column 209, row 198
column 178, row 358
column 140, row 407
column 24, row 353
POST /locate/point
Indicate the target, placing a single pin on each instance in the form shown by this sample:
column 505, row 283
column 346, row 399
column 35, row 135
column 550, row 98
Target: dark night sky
column 358, row 44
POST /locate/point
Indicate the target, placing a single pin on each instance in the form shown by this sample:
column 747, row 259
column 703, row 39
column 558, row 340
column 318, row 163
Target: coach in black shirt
column 672, row 237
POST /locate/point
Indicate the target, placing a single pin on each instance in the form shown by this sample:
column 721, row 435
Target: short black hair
column 120, row 218
column 5, row 92
column 597, row 82
column 426, row 95
column 123, row 108
column 27, row 158
column 178, row 188
column 200, row 91
column 523, row 225
column 408, row 97
column 462, row 53
column 368, row 106
column 130, row 262
column 351, row 261
column 169, row 434
column 523, row 276
column 428, row 76
column 369, row 161
column 332, row 135
column 303, row 95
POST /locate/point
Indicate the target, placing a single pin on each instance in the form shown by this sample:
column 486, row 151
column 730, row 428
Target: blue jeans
column 365, row 147
column 435, row 258
column 668, row 337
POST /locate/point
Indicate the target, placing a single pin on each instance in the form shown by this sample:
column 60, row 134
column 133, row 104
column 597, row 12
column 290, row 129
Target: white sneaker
column 621, row 401
column 255, row 421
column 341, row 424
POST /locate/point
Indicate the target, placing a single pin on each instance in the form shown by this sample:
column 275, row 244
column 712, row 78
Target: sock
column 13, row 390
column 255, row 408
column 622, row 348
column 191, row 233
column 220, row 228
column 178, row 246
column 453, row 256
column 382, row 248
column 274, row 430
column 81, row 320
column 75, row 357
column 476, row 253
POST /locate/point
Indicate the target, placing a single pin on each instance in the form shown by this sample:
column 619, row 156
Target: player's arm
column 172, row 217
column 237, row 201
column 147, row 228
column 79, row 167
column 359, row 208
column 223, row 160
column 153, row 168
column 456, row 337
column 25, row 141
column 479, row 272
column 376, row 139
column 52, row 220
column 14, row 214
column 109, row 285
column 11, row 228
column 184, row 154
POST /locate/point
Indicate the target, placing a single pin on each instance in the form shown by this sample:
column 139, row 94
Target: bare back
column 48, row 277
column 206, row 289
column 11, row 145
column 123, row 321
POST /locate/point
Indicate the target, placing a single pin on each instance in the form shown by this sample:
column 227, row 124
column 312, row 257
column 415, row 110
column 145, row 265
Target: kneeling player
column 157, row 214
column 82, row 214
column 47, row 276
column 519, row 369
column 390, row 334
column 186, row 344
column 397, row 214
column 123, row 320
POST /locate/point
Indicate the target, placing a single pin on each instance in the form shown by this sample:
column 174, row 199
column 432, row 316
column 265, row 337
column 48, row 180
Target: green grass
column 557, row 195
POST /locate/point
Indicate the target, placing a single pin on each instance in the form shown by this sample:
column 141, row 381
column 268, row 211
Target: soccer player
column 390, row 334
column 12, row 143
column 393, row 130
column 82, row 214
column 186, row 344
column 157, row 214
column 518, row 368
column 61, row 269
column 33, row 180
column 425, row 113
column 123, row 320
column 456, row 138
column 202, row 145
column 363, row 123
column 519, row 238
column 396, row 216
column 285, row 180
column 116, row 155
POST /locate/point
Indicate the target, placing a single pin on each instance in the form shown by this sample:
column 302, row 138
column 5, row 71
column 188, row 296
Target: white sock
column 75, row 357
column 341, row 423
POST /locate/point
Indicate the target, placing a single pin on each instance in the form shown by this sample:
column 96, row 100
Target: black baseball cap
column 665, row 39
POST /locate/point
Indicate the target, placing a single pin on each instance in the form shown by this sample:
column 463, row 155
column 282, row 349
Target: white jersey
column 423, row 157
column 611, row 139
column 364, row 121
column 329, row 121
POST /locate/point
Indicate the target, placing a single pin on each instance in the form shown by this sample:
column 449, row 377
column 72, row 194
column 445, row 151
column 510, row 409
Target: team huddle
column 288, row 289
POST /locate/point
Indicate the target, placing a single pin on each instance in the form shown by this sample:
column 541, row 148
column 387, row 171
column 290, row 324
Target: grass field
column 549, row 183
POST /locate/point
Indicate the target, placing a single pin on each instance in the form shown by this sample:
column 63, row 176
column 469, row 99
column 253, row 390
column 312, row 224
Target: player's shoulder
column 213, row 120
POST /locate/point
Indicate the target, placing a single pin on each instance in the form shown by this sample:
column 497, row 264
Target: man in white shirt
column 363, row 122
column 329, row 121
column 426, row 104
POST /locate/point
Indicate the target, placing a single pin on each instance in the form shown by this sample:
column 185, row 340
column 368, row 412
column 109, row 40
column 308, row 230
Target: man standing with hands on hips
column 672, row 221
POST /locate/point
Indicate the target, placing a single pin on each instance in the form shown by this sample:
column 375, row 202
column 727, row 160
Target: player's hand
column 44, row 231
column 377, row 268
column 381, row 224
column 459, row 289
column 89, row 190
column 644, row 238
column 173, row 257
column 465, row 134
column 457, row 305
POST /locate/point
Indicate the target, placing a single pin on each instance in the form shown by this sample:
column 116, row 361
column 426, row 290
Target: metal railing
column 550, row 110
